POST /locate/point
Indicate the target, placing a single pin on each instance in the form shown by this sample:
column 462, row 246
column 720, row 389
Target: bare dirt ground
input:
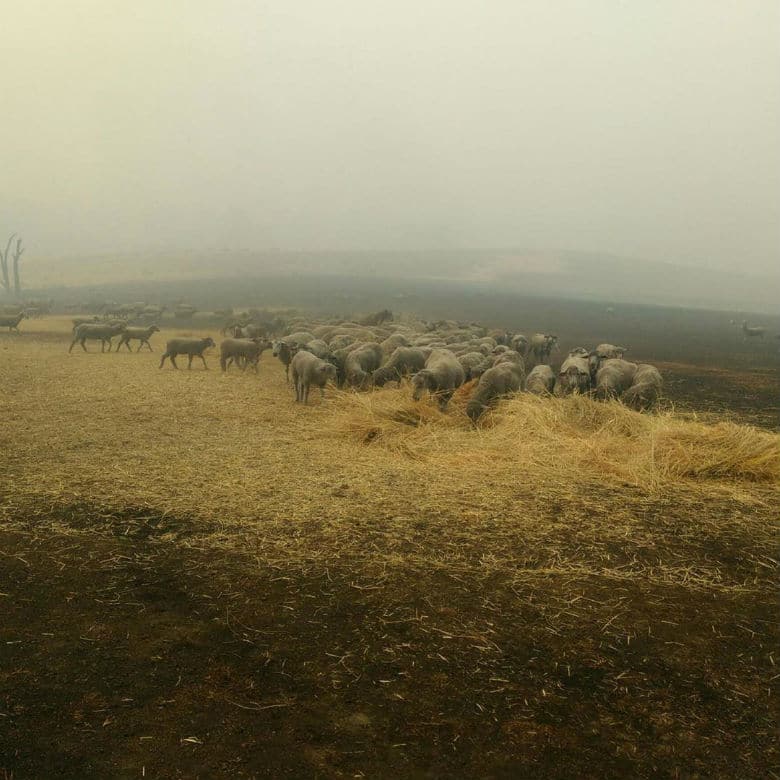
column 200, row 579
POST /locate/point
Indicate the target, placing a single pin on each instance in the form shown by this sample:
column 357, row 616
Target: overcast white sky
column 646, row 128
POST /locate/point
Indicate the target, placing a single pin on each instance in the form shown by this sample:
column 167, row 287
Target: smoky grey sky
column 647, row 129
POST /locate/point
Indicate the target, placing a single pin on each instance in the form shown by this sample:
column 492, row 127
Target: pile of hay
column 565, row 439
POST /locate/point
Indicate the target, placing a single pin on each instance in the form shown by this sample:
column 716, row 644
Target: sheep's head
column 154, row 329
column 209, row 341
column 421, row 381
column 379, row 377
column 328, row 371
column 474, row 410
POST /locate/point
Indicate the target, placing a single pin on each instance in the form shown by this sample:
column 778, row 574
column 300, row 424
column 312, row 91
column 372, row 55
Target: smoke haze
column 644, row 130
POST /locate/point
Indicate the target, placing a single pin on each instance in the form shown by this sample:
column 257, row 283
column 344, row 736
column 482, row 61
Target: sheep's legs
column 83, row 345
column 189, row 362
column 204, row 362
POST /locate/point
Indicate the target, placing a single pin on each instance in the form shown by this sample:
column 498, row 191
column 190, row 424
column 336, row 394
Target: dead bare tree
column 18, row 252
column 5, row 280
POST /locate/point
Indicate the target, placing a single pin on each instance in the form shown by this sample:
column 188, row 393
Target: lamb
column 540, row 380
column 308, row 370
column 501, row 380
column 442, row 376
column 614, row 377
column 361, row 362
column 12, row 322
column 285, row 352
column 142, row 334
column 94, row 331
column 574, row 375
column 403, row 361
column 244, row 352
column 646, row 388
column 189, row 347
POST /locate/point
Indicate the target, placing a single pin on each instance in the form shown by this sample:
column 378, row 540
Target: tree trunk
column 17, row 254
column 5, row 281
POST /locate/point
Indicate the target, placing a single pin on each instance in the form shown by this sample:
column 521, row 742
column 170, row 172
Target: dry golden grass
column 372, row 477
column 570, row 439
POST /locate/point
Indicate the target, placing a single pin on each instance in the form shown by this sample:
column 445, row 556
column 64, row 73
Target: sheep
column 391, row 343
column 501, row 337
column 601, row 353
column 403, row 361
column 501, row 380
column 540, row 380
column 610, row 351
column 308, row 370
column 442, row 376
column 285, row 352
column 361, row 362
column 244, row 352
column 474, row 365
column 318, row 348
column 189, row 347
column 754, row 332
column 645, row 389
column 249, row 331
column 377, row 319
column 510, row 356
column 574, row 375
column 341, row 341
column 142, row 334
column 12, row 322
column 519, row 344
column 541, row 345
column 94, row 331
column 300, row 337
column 614, row 377
column 83, row 321
column 152, row 314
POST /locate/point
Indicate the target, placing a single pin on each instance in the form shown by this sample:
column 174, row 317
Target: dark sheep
column 189, row 347
column 495, row 383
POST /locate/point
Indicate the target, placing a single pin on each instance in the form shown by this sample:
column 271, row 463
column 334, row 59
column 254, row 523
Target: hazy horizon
column 645, row 132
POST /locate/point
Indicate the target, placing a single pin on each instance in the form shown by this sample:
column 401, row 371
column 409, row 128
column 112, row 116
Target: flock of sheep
column 437, row 358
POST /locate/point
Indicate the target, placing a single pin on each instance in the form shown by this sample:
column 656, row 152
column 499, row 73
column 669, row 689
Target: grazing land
column 199, row 578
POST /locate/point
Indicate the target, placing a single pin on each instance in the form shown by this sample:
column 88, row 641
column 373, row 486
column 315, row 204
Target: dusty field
column 199, row 579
